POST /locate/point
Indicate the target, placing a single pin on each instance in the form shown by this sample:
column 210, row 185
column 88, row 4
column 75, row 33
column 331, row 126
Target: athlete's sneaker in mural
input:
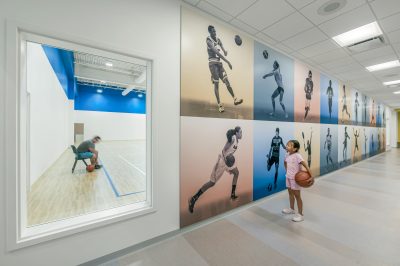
column 221, row 108
column 237, row 101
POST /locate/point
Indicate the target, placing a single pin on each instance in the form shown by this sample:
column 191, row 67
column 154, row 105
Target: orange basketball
column 90, row 168
column 304, row 179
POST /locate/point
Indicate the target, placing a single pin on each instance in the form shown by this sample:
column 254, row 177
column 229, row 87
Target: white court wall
column 150, row 27
column 49, row 113
column 112, row 126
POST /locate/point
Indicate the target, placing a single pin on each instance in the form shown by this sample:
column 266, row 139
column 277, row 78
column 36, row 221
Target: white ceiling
column 296, row 28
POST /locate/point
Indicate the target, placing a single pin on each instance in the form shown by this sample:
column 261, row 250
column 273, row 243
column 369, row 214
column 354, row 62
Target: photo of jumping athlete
column 279, row 91
column 214, row 47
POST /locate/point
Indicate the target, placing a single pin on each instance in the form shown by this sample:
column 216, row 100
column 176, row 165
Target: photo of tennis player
column 308, row 135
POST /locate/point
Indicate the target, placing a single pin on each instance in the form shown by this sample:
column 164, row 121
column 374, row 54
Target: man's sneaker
column 234, row 197
column 272, row 114
column 288, row 211
column 286, row 115
column 221, row 108
column 237, row 102
column 98, row 166
column 298, row 218
column 192, row 201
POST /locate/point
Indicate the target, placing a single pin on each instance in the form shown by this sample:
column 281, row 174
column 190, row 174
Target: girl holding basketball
column 293, row 163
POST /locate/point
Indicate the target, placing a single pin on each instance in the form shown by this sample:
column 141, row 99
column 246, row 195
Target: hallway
column 351, row 218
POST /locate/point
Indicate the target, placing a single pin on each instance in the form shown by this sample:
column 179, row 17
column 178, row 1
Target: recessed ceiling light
column 396, row 92
column 99, row 91
column 382, row 66
column 387, row 83
column 331, row 7
column 102, row 81
column 109, row 64
column 359, row 34
column 140, row 95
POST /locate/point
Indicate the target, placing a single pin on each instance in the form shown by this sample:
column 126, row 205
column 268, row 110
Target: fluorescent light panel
column 382, row 66
column 396, row 92
column 387, row 83
column 362, row 33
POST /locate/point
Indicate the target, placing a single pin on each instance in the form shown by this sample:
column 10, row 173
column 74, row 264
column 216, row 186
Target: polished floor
column 352, row 217
column 59, row 194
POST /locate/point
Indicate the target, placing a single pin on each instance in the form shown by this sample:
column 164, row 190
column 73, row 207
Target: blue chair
column 77, row 158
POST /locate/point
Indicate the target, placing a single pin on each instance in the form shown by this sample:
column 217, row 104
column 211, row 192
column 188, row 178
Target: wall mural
column 242, row 101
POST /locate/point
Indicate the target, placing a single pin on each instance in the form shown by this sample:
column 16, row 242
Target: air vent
column 369, row 44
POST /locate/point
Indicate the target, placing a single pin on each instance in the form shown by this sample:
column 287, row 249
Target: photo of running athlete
column 329, row 148
column 344, row 104
column 329, row 99
column 279, row 91
column 225, row 163
column 345, row 160
column 274, row 155
column 356, row 150
column 308, row 89
column 216, row 72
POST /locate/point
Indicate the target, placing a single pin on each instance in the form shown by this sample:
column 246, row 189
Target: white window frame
column 16, row 159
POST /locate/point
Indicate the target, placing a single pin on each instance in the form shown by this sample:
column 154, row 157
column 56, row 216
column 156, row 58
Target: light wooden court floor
column 59, row 194
column 352, row 217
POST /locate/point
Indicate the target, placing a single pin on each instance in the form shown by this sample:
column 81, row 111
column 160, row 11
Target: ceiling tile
column 329, row 56
column 384, row 8
column 265, row 12
column 339, row 62
column 305, row 38
column 284, row 48
column 379, row 60
column 288, row 27
column 394, row 36
column 319, row 48
column 374, row 53
column 311, row 11
column 214, row 11
column 345, row 68
column 393, row 73
column 232, row 7
column 396, row 47
column 391, row 23
column 265, row 38
column 348, row 21
column 243, row 26
column 192, row 2
column 299, row 56
column 299, row 3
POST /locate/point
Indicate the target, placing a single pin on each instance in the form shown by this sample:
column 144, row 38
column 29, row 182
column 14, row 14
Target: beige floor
column 352, row 217
column 59, row 194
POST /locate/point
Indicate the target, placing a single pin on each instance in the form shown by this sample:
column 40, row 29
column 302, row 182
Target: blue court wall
column 62, row 62
column 110, row 100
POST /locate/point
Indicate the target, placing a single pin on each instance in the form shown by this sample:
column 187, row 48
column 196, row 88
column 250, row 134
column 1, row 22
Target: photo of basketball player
column 307, row 147
column 328, row 146
column 308, row 89
column 344, row 104
column 216, row 69
column 329, row 93
column 214, row 48
column 279, row 91
column 225, row 163
column 274, row 153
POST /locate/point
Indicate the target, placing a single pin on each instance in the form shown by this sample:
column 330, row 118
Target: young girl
column 293, row 162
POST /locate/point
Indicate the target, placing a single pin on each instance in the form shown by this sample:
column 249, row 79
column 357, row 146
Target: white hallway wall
column 50, row 113
column 157, row 35
column 112, row 126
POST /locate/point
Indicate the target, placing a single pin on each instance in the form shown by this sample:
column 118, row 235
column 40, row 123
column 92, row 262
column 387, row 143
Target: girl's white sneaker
column 288, row 211
column 298, row 218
